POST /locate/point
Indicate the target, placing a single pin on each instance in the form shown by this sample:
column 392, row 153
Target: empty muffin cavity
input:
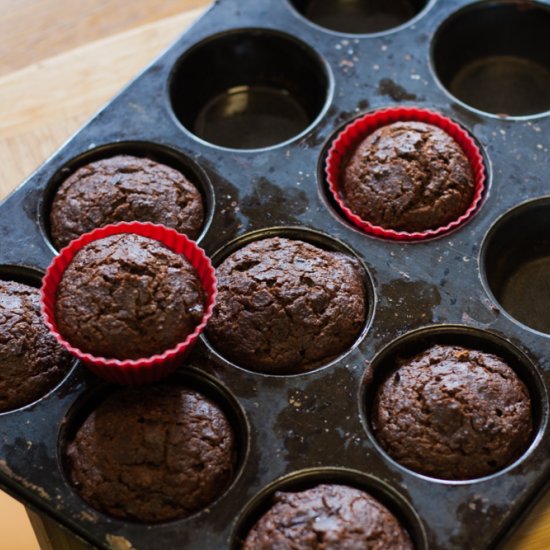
column 515, row 263
column 493, row 56
column 359, row 16
column 262, row 88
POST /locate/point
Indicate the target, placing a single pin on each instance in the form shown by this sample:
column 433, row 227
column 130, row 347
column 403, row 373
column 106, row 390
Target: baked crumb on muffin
column 327, row 517
column 286, row 306
column 152, row 454
column 128, row 297
column 31, row 361
column 453, row 413
column 124, row 188
column 408, row 176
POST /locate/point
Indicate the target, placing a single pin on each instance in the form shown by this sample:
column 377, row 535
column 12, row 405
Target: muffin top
column 152, row 454
column 453, row 413
column 128, row 297
column 124, row 188
column 408, row 176
column 31, row 360
column 327, row 517
column 286, row 306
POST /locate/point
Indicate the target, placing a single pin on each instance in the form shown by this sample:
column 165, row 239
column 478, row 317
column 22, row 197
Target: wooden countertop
column 60, row 61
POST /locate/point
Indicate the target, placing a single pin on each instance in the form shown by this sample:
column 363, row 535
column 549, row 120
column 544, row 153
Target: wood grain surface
column 33, row 30
column 42, row 104
column 60, row 61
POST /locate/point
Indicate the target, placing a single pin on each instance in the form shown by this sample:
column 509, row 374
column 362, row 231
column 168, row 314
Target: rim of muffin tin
column 471, row 337
column 316, row 238
column 486, row 242
column 191, row 378
column 351, row 133
column 147, row 369
column 450, row 18
column 157, row 152
column 32, row 277
column 313, row 53
column 308, row 478
column 351, row 35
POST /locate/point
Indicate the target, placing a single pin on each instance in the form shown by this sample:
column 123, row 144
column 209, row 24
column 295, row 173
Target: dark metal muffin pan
column 483, row 283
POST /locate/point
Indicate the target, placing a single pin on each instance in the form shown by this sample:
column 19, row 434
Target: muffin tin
column 203, row 106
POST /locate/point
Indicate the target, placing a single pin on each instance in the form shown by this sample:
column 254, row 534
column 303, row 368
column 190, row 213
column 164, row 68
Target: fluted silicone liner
column 353, row 134
column 147, row 369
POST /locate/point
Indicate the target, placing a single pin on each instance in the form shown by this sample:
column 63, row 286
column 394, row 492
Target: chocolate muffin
column 31, row 361
column 128, row 297
column 152, row 454
column 453, row 413
column 286, row 306
column 124, row 188
column 408, row 176
column 327, row 517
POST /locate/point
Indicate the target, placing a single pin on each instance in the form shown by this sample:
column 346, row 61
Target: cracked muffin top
column 152, row 454
column 31, row 360
column 408, row 176
column 286, row 306
column 128, row 297
column 124, row 188
column 453, row 413
column 327, row 517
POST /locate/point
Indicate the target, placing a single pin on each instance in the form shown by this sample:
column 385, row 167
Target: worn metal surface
column 317, row 421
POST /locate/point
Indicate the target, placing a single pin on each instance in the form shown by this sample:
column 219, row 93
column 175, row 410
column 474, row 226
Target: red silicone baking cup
column 131, row 371
column 353, row 134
